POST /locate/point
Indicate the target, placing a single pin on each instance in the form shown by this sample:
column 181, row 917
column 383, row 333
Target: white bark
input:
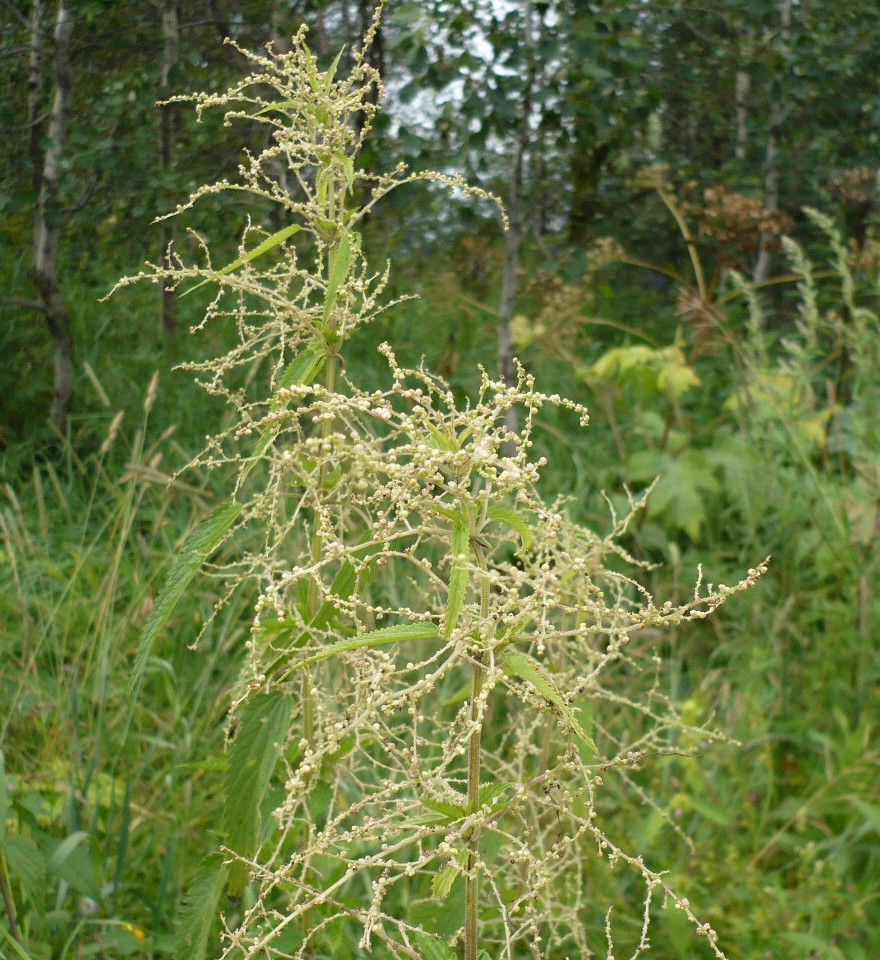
column 47, row 229
column 167, row 117
column 778, row 112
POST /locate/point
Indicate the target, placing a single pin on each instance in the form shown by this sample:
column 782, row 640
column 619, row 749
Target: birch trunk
column 743, row 87
column 167, row 144
column 47, row 229
column 513, row 237
column 778, row 113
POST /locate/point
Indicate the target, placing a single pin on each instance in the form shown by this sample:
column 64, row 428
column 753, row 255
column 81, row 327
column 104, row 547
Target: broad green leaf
column 262, row 728
column 64, row 850
column 491, row 794
column 200, row 543
column 516, row 522
column 451, row 811
column 681, row 494
column 71, row 860
column 375, row 638
column 442, row 441
column 201, row 908
column 482, row 955
column 458, row 578
column 537, row 676
column 4, row 800
column 433, row 948
column 441, row 884
column 305, row 366
column 258, row 251
column 340, row 262
column 28, row 865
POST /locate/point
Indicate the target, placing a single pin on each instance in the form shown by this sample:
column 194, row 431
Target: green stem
column 471, row 896
column 8, row 902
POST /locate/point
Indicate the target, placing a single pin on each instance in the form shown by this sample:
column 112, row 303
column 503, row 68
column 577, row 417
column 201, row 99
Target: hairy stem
column 471, row 897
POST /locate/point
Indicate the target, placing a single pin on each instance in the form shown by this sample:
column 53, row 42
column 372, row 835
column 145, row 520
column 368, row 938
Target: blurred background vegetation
column 652, row 156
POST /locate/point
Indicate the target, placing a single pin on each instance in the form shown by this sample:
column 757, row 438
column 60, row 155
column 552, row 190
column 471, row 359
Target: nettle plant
column 440, row 677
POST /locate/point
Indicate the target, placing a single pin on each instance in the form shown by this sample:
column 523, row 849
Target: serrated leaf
column 304, row 367
column 458, row 578
column 516, row 522
column 262, row 728
column 200, row 543
column 441, row 884
column 537, row 676
column 433, row 948
column 375, row 638
column 491, row 793
column 340, row 262
column 258, row 251
column 200, row 909
column 28, row 865
column 451, row 811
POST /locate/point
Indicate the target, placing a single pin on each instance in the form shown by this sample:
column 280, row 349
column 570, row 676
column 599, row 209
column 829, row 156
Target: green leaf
column 433, row 948
column 537, row 676
column 258, row 251
column 441, row 884
column 491, row 793
column 516, row 522
column 375, row 638
column 71, row 860
column 340, row 262
column 65, row 849
column 201, row 908
column 458, row 578
column 262, row 728
column 27, row 863
column 200, row 543
column 305, row 366
column 681, row 494
column 451, row 811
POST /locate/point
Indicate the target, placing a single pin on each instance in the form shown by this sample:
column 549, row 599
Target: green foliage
column 757, row 426
column 193, row 553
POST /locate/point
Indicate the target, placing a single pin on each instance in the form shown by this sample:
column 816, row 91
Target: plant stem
column 8, row 902
column 471, row 896
column 471, row 901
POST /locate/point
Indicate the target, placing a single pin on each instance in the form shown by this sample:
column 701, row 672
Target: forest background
column 651, row 156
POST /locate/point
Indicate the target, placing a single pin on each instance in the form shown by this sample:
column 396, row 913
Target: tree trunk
column 743, row 87
column 778, row 113
column 512, row 241
column 513, row 237
column 47, row 229
column 167, row 124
